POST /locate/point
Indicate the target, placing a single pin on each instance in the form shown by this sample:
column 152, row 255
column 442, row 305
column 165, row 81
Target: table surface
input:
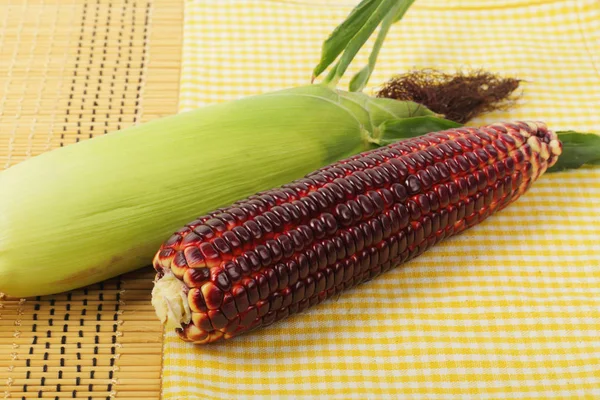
column 69, row 71
column 509, row 310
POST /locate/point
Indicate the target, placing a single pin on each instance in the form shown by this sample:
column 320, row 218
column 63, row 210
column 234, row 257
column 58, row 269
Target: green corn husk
column 93, row 210
column 96, row 209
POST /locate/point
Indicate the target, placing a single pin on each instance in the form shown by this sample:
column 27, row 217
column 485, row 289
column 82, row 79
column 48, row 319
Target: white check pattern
column 510, row 309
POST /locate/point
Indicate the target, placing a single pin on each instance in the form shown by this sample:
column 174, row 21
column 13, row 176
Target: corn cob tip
column 170, row 302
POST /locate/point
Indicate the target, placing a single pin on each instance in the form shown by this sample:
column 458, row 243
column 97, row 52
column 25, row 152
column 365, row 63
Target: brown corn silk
column 459, row 96
column 282, row 251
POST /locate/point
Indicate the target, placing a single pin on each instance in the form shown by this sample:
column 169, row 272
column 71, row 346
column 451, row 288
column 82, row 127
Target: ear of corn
column 99, row 208
column 284, row 250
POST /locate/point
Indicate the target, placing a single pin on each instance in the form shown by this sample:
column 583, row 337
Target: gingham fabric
column 510, row 308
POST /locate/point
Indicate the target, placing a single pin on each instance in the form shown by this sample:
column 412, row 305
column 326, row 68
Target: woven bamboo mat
column 71, row 70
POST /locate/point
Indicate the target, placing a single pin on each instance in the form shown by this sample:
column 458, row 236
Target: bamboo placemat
column 71, row 70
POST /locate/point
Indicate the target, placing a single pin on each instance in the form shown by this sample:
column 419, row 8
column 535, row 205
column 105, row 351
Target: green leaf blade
column 579, row 149
column 361, row 38
column 361, row 79
column 337, row 41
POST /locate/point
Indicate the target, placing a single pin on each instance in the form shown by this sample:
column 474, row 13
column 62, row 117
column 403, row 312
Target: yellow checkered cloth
column 510, row 308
